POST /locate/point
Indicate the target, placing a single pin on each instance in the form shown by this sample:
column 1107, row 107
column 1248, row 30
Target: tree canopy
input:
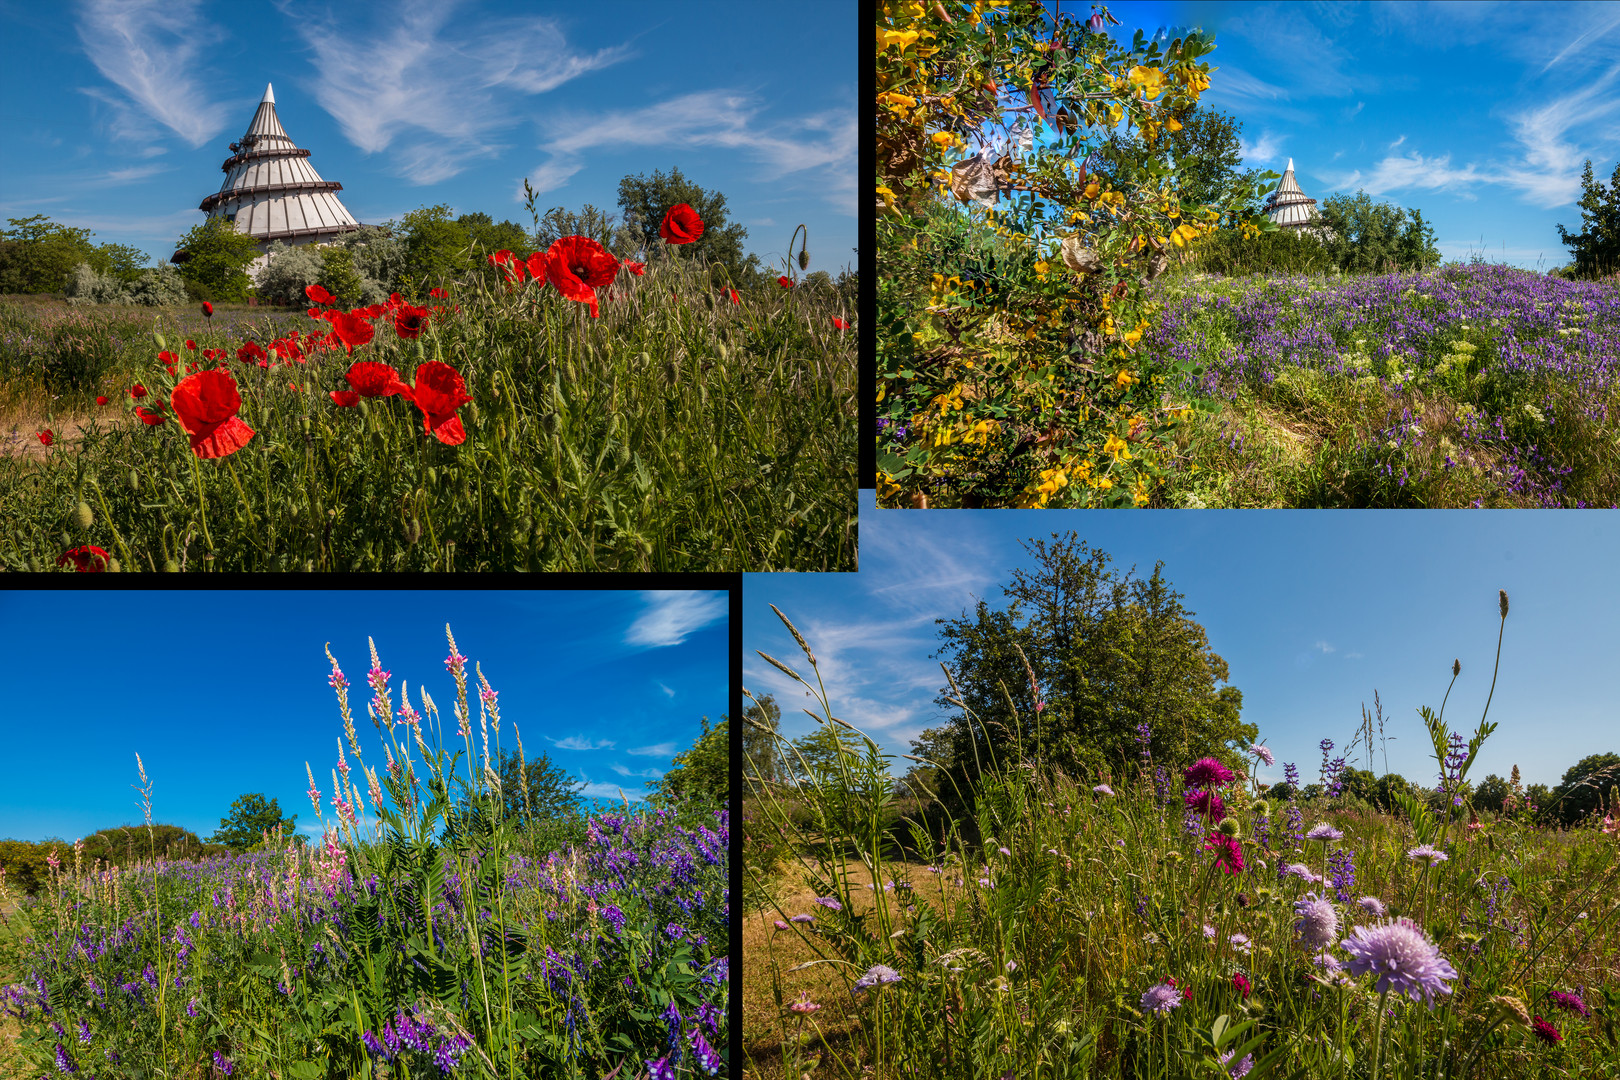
column 1596, row 247
column 762, row 754
column 215, row 258
column 1369, row 237
column 1583, row 786
column 1108, row 651
column 704, row 769
column 250, row 818
column 38, row 255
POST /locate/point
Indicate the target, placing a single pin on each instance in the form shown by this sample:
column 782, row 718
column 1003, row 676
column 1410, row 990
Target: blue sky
column 223, row 693
column 1312, row 611
column 116, row 114
column 1479, row 114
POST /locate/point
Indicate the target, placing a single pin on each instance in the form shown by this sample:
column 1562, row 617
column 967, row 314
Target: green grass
column 677, row 432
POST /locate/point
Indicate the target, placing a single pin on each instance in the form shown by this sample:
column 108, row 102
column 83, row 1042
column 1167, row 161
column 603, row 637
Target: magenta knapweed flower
column 1568, row 1002
column 1263, row 753
column 1323, row 831
column 829, row 902
column 1206, row 772
column 1228, row 852
column 1428, row 852
column 1545, row 1031
column 1207, row 803
column 1240, row 983
column 1318, row 923
column 1161, row 998
column 877, row 976
column 1403, row 958
column 1372, row 905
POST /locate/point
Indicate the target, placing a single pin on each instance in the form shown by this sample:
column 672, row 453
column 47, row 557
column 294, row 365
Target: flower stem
column 1378, row 1037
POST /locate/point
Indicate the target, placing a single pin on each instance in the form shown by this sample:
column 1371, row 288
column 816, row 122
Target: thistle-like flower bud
column 1229, row 827
column 1262, row 808
column 1513, row 1006
column 1502, row 601
column 82, row 517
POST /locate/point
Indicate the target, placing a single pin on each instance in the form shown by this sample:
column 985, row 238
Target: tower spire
column 269, row 95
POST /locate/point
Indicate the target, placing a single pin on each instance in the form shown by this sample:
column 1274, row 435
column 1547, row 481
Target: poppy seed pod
column 82, row 517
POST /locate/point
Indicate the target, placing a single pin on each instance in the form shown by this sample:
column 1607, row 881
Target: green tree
column 644, row 201
column 214, row 260
column 1584, row 783
column 1385, row 789
column 552, row 794
column 1490, row 793
column 490, row 237
column 250, row 818
column 1108, row 653
column 762, row 755
column 338, row 276
column 702, row 770
column 1369, row 237
column 436, row 248
column 1207, row 152
column 38, row 255
column 123, row 261
column 1596, row 247
column 605, row 229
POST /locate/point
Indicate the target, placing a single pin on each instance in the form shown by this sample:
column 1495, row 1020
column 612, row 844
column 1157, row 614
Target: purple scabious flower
column 877, row 976
column 1429, row 853
column 830, row 903
column 1161, row 998
column 1237, row 1069
column 1373, row 906
column 1403, row 958
column 1206, row 772
column 1263, row 753
column 1318, row 923
column 1324, row 832
column 801, row 918
column 1568, row 1002
column 1102, row 789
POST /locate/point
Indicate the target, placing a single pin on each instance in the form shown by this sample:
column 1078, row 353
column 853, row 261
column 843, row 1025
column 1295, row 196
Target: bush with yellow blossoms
column 1011, row 364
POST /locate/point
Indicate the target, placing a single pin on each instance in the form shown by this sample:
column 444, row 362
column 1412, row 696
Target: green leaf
column 305, row 1070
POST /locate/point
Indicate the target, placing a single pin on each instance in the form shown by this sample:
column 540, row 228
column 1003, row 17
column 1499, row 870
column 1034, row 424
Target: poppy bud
column 113, row 566
column 413, row 531
column 170, row 566
column 804, row 259
column 82, row 517
column 433, row 476
column 549, row 422
column 670, row 372
column 134, row 480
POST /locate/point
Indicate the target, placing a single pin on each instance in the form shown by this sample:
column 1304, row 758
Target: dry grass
column 828, row 1031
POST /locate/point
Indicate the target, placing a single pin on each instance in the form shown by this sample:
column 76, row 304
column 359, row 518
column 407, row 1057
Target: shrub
column 86, row 286
column 158, row 286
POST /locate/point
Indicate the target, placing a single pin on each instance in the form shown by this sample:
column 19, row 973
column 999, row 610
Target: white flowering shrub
column 159, row 286
column 88, row 287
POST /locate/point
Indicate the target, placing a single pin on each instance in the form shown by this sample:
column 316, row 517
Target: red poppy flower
column 101, row 401
column 395, row 300
column 191, row 344
column 437, row 293
column 500, row 258
column 786, row 283
column 86, row 559
column 346, row 398
column 840, row 323
column 250, row 351
column 635, row 268
column 149, row 416
column 735, row 299
column 316, row 313
column 206, row 404
column 350, row 328
column 409, row 321
column 46, row 436
column 681, row 225
column 137, row 391
column 577, row 266
column 439, row 392
column 208, row 309
column 537, row 267
column 319, row 294
column 371, row 379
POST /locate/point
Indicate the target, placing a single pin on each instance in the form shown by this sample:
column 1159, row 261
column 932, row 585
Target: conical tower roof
column 1288, row 206
column 272, row 192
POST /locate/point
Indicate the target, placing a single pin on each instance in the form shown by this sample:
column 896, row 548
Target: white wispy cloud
column 154, row 51
column 614, row 792
column 645, row 774
column 668, row 691
column 1268, row 148
column 1397, row 142
column 433, row 85
column 822, row 145
column 578, row 742
column 671, row 616
column 1325, row 647
column 663, row 749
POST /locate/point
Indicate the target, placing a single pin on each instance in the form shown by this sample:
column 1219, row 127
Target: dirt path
column 19, row 436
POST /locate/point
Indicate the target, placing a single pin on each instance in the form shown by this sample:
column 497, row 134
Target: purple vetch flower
column 876, row 976
column 1342, row 869
column 1291, row 774
column 84, row 1031
column 1318, row 923
column 707, row 1060
column 1403, row 958
column 63, row 1062
column 1160, row 998
column 660, row 1070
column 223, row 1064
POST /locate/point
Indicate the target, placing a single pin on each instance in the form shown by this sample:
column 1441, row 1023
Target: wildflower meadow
column 1168, row 918
column 451, row 938
column 558, row 410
